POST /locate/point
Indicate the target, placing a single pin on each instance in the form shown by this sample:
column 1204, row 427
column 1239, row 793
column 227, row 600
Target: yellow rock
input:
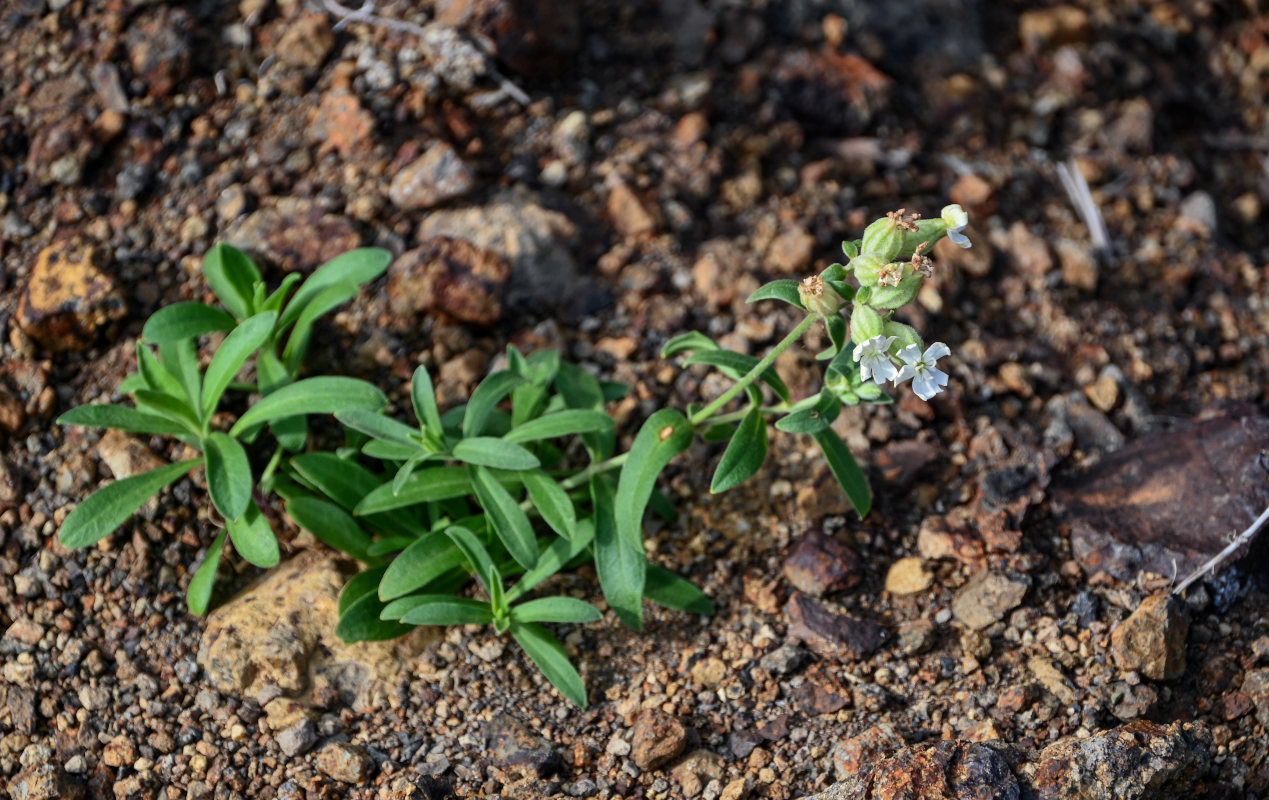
column 68, row 298
column 908, row 576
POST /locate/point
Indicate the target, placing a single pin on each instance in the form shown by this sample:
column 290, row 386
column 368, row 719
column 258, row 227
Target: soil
column 669, row 159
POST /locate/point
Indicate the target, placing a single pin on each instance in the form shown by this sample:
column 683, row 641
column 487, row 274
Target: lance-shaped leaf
column 253, row 538
column 361, row 621
column 551, row 501
column 687, row 342
column 198, row 595
column 358, row 586
column 228, row 475
column 428, row 558
column 664, row 435
column 231, row 275
column 109, row 507
column 380, row 426
column 325, row 300
column 737, row 364
column 619, row 562
column 423, row 396
column 815, row 418
column 474, row 551
column 330, row 524
column 744, row 454
column 667, row 589
column 488, row 451
column 580, row 389
column 155, row 375
column 356, row 267
column 443, row 609
column 291, row 432
column 845, row 469
column 561, row 423
column 346, row 483
column 326, row 395
column 549, row 656
column 509, row 521
column 180, row 357
column 173, row 409
column 121, row 418
column 785, row 289
column 554, row 558
column 556, row 609
column 185, row 321
column 238, row 346
column 424, row 486
column 485, row 397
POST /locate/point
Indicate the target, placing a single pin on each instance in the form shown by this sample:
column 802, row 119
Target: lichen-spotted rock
column 68, row 298
column 279, row 635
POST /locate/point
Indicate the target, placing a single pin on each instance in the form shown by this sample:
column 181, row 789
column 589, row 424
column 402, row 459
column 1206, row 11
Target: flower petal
column 959, row 239
column 910, row 354
column 936, row 351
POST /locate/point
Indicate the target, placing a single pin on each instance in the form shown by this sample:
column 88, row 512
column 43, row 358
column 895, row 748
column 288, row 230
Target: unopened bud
column 818, row 297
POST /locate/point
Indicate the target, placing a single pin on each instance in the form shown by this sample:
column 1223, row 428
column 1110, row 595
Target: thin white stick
column 1077, row 190
column 1224, row 555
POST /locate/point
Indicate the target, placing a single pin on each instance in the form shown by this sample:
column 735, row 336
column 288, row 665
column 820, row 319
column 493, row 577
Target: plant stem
column 753, row 374
column 593, row 469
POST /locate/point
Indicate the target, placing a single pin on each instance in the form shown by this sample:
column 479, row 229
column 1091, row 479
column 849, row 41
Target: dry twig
column 1220, row 558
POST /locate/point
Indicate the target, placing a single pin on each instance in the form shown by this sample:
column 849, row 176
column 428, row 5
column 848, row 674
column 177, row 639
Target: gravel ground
column 619, row 173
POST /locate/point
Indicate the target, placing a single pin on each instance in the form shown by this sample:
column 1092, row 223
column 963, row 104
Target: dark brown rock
column 345, row 762
column 835, row 92
column 1256, row 687
column 657, row 739
column 1139, row 761
column 435, row 177
column 510, row 743
column 295, row 234
column 938, row 771
column 535, row 38
column 1097, row 553
column 1175, row 495
column 1152, row 640
column 68, row 298
column 415, row 787
column 817, row 696
column 820, row 564
column 829, row 633
column 159, row 49
column 61, row 150
column 900, row 463
column 449, row 276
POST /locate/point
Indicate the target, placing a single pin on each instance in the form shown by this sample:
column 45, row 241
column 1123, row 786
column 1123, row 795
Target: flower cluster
column 889, row 264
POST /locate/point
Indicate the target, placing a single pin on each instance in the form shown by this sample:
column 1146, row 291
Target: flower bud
column 883, row 238
column 867, row 268
column 818, row 297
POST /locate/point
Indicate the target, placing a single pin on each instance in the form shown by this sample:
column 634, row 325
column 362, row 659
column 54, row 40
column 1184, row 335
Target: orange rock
column 68, row 298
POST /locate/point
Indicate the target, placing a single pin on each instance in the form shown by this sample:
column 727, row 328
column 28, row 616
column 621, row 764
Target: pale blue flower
column 956, row 220
column 927, row 379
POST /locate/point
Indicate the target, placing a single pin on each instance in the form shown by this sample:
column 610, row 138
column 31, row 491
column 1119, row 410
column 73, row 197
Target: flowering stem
column 705, row 413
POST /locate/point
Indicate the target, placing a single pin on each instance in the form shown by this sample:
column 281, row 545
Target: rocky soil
column 598, row 177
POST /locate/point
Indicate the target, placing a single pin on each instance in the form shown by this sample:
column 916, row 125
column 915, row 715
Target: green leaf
column 785, row 289
column 737, row 364
column 424, row 486
column 549, row 656
column 665, row 588
column 619, row 562
column 185, row 321
column 613, row 390
column 231, row 274
column 238, row 346
column 509, row 521
column 428, row 558
column 873, row 394
column 850, row 248
column 904, row 335
column 356, row 267
column 664, row 435
column 325, row 395
column 485, row 397
column 815, row 418
column 274, row 301
column 835, row 273
column 836, row 333
column 110, row 506
column 198, row 594
column 358, row 586
column 686, row 343
column 291, row 432
column 744, row 454
column 180, row 357
column 174, row 409
column 580, row 389
column 553, row 559
column 864, row 323
column 331, row 524
column 486, row 451
column 556, row 609
column 324, row 302
column 380, row 426
column 155, row 375
column 423, row 397
column 390, row 451
column 442, row 609
column 131, row 383
column 392, row 544
column 253, row 538
column 121, row 418
column 228, row 475
column 345, row 482
column 361, row 622
column 845, row 469
column 474, row 551
column 561, row 423
column 551, row 501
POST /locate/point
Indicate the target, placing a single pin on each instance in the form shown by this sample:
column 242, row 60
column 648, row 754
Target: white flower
column 874, row 360
column 956, row 220
column 927, row 379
